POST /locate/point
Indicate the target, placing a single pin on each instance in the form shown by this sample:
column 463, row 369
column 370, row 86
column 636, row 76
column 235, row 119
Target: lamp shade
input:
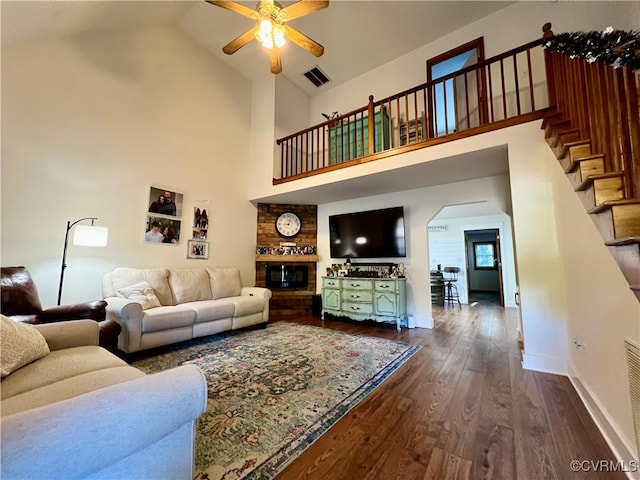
column 90, row 236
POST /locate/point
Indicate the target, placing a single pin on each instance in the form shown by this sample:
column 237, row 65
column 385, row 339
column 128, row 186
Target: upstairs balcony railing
column 501, row 91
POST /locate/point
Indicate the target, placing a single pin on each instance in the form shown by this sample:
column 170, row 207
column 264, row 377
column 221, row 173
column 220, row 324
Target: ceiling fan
column 270, row 29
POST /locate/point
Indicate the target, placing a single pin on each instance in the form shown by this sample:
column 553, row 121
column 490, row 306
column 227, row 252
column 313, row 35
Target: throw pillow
column 141, row 293
column 225, row 282
column 190, row 285
column 158, row 278
column 20, row 344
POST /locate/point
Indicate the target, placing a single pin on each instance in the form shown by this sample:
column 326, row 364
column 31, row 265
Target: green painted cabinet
column 382, row 300
column 351, row 140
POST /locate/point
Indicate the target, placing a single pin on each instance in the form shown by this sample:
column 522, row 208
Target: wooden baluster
column 632, row 163
column 406, row 125
column 424, row 114
column 491, row 112
column 399, row 138
column 444, row 100
column 531, row 93
column 391, row 116
column 602, row 125
column 372, row 123
column 504, row 94
column 616, row 101
column 466, row 102
column 456, row 107
column 431, row 110
column 415, row 115
column 549, row 66
column 624, row 133
column 517, row 84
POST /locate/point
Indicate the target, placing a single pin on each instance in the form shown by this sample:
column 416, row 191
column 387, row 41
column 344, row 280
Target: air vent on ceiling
column 317, row 76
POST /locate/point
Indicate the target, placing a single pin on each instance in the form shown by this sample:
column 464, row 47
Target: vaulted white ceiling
column 357, row 35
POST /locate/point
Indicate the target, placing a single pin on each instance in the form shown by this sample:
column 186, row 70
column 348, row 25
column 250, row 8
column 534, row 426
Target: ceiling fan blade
column 235, row 7
column 274, row 60
column 303, row 7
column 305, row 42
column 237, row 43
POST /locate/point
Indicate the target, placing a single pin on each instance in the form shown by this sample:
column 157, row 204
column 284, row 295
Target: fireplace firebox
column 283, row 276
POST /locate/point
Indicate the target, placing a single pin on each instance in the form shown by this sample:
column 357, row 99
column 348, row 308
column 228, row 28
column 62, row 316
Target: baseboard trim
column 423, row 322
column 545, row 364
column 620, row 447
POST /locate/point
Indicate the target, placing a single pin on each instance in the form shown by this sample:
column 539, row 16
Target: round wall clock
column 288, row 224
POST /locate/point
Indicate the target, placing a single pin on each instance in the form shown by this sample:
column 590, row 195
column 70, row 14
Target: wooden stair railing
column 594, row 131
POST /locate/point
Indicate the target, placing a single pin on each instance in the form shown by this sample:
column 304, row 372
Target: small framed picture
column 343, row 273
column 197, row 249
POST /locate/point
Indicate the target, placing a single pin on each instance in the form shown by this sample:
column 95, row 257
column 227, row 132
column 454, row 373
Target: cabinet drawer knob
column 355, row 308
column 384, row 286
column 355, row 284
column 355, row 296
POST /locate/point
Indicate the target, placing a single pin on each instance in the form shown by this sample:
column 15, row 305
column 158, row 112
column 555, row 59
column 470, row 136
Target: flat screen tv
column 370, row 234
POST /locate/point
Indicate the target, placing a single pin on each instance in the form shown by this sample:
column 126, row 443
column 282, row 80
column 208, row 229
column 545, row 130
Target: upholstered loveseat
column 160, row 306
column 71, row 409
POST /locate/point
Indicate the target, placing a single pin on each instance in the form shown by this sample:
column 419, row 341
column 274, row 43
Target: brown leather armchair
column 20, row 302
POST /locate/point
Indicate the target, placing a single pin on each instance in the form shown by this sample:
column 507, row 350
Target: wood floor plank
column 446, row 465
column 460, row 408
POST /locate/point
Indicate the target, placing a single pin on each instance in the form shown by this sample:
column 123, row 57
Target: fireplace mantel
column 288, row 258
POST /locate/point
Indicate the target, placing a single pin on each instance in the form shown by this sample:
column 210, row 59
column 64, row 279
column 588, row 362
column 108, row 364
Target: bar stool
column 450, row 277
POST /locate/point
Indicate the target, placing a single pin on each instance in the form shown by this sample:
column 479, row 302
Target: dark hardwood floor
column 461, row 408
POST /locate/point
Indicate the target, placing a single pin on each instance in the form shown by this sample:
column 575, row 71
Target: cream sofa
column 74, row 410
column 160, row 306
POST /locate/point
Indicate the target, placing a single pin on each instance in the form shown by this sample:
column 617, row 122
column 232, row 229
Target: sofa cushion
column 158, row 278
column 167, row 318
column 57, row 366
column 225, row 282
column 68, row 388
column 20, row 344
column 142, row 293
column 210, row 310
column 190, row 285
column 246, row 305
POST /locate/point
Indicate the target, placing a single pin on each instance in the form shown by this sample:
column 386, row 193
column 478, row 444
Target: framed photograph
column 343, row 273
column 165, row 202
column 162, row 230
column 198, row 249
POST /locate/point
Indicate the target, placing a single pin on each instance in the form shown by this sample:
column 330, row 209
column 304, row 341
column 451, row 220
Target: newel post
column 548, row 65
column 372, row 122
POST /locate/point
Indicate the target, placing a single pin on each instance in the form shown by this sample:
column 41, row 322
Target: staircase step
column 551, row 128
column 552, row 118
column 606, row 187
column 592, row 165
column 567, row 135
column 617, row 219
column 575, row 150
column 626, row 251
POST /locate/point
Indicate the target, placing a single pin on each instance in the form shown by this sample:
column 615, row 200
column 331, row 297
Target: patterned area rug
column 273, row 392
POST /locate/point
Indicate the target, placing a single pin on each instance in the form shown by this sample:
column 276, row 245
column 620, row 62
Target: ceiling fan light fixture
column 270, row 34
column 266, row 26
column 279, row 36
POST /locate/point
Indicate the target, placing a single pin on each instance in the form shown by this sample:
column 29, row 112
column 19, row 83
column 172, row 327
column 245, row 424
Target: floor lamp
column 84, row 235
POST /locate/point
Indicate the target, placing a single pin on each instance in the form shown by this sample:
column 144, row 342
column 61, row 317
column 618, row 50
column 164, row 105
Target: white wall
column 89, row 124
column 602, row 310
